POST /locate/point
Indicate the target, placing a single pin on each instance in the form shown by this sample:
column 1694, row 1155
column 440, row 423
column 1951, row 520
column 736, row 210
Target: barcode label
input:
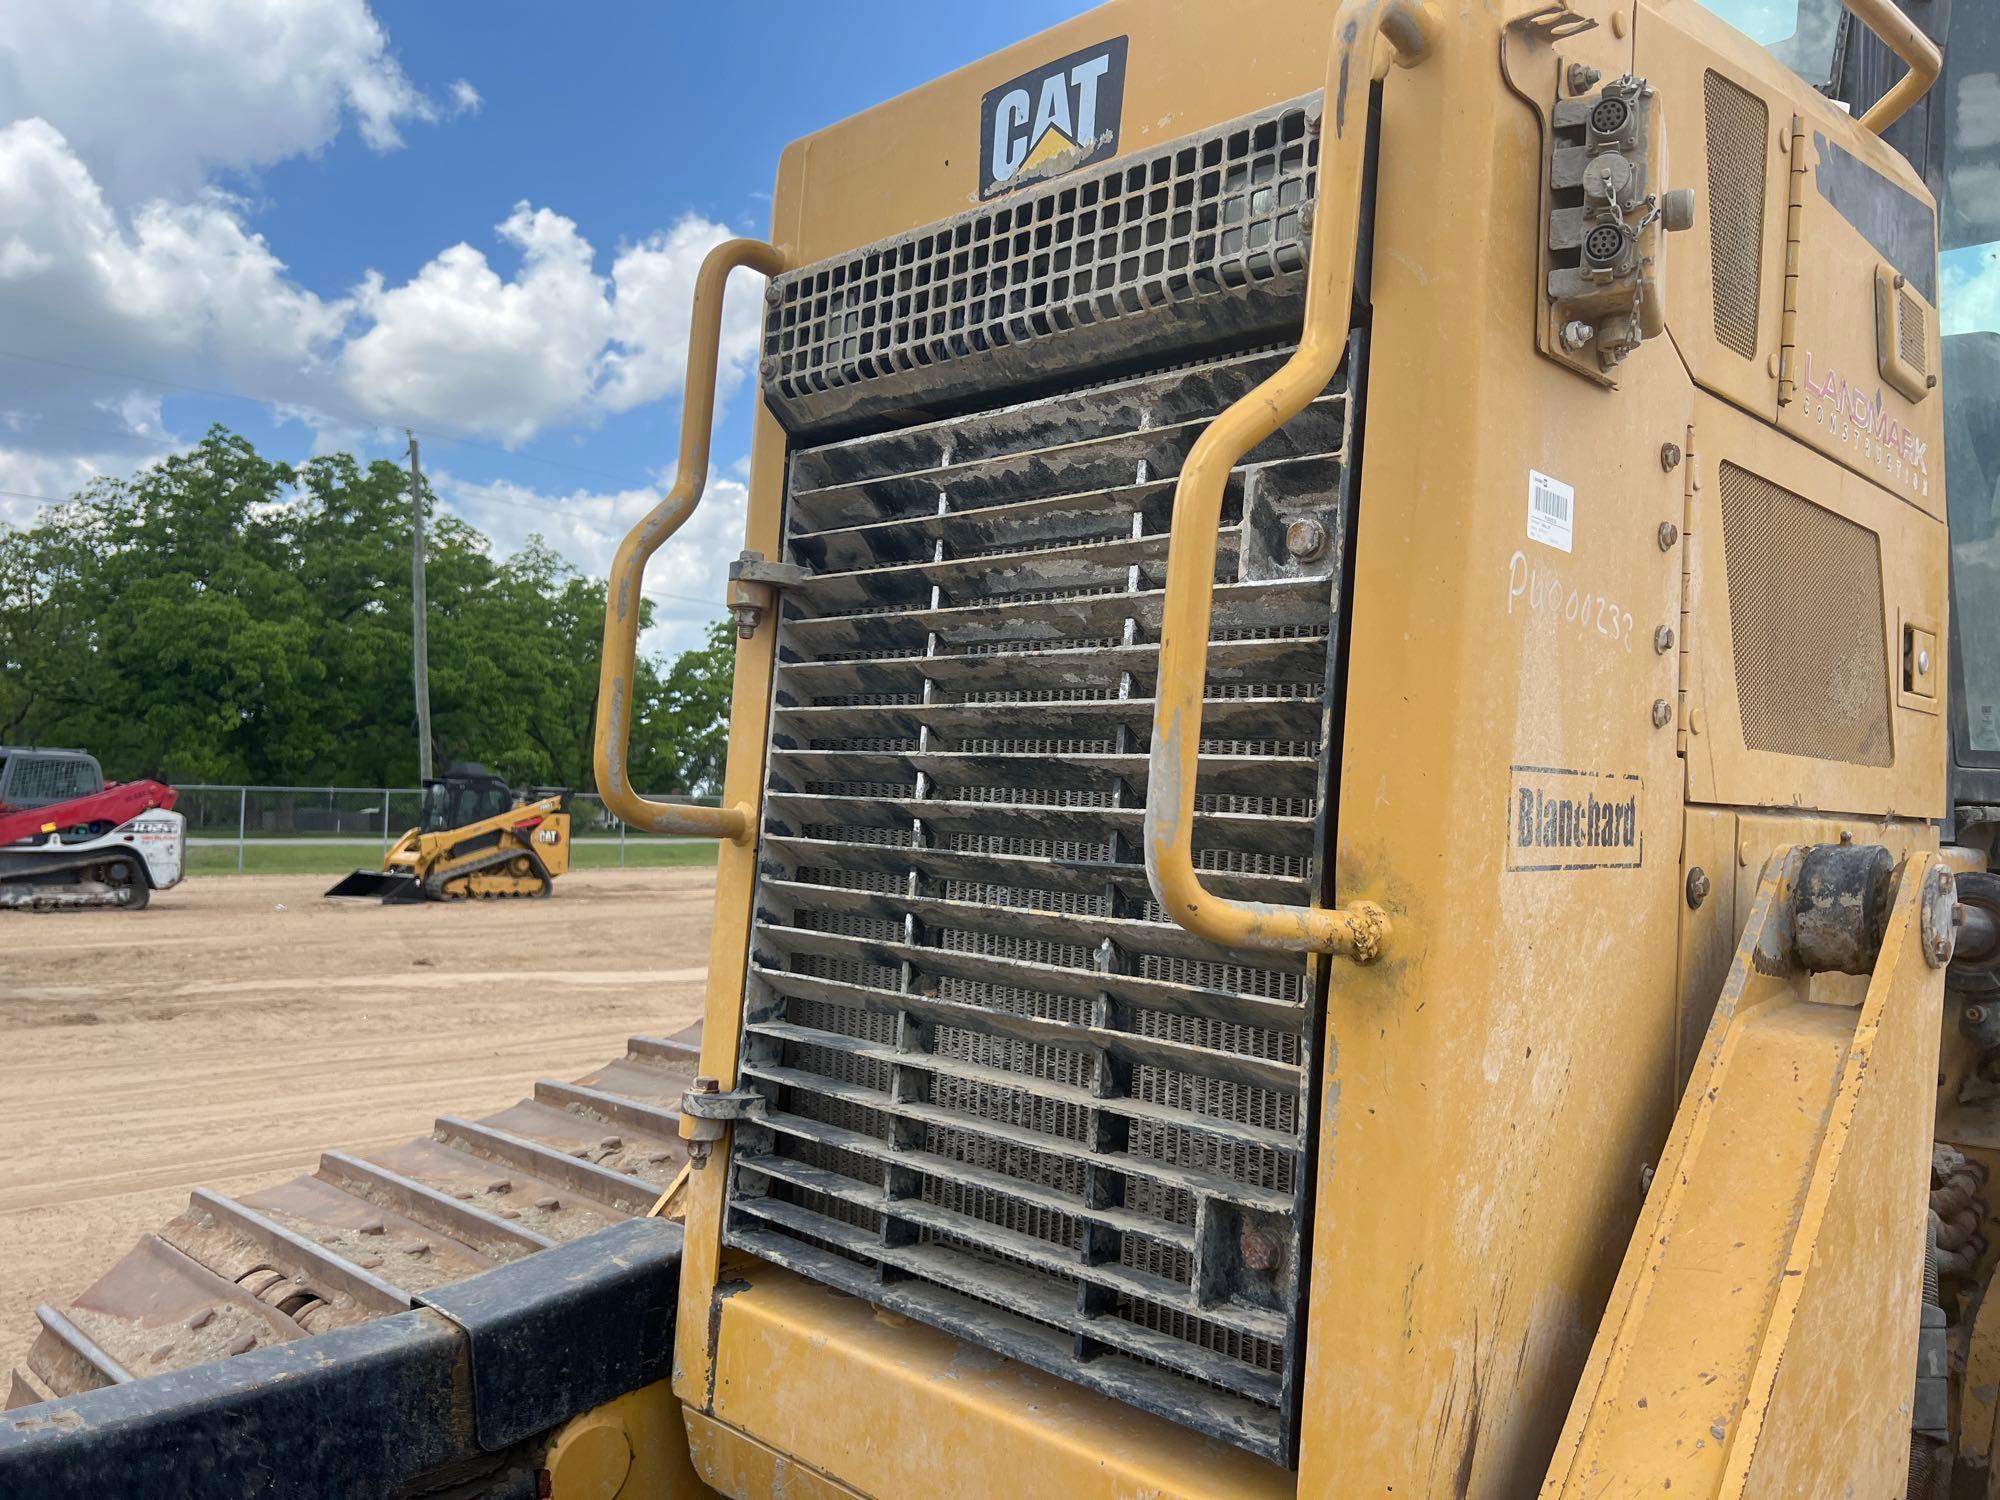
column 1551, row 511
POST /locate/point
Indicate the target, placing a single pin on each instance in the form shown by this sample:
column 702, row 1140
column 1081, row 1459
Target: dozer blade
column 390, row 885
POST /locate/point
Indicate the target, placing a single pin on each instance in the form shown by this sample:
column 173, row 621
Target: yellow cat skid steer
column 478, row 838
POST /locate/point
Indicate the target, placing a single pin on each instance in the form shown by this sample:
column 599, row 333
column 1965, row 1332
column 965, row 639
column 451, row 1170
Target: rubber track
column 360, row 1236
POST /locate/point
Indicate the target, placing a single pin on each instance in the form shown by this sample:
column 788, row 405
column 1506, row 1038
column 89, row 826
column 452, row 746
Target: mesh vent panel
column 1805, row 618
column 1739, row 124
column 1911, row 342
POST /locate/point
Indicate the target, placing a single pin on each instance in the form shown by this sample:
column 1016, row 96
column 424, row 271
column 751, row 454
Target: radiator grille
column 1005, row 1096
column 1912, row 328
column 1739, row 124
column 1198, row 240
column 1805, row 617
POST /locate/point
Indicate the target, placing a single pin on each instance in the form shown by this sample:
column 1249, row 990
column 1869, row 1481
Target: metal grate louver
column 1167, row 253
column 1006, row 1097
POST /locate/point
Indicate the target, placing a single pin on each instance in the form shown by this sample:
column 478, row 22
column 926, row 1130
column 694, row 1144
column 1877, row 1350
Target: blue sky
column 480, row 220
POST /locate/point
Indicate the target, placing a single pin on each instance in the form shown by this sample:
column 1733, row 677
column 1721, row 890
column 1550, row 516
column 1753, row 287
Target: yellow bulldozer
column 478, row 838
column 1354, row 855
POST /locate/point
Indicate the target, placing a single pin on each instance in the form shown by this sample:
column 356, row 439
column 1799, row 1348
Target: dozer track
column 362, row 1236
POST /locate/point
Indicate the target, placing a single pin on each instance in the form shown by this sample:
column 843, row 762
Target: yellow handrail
column 1901, row 36
column 628, row 568
column 1411, row 28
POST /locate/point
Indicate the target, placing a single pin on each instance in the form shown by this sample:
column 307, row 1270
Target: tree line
column 223, row 617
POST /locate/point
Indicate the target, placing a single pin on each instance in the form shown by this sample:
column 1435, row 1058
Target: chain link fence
column 291, row 828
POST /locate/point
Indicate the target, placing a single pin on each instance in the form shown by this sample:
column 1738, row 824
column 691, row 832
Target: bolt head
column 1306, row 540
column 1669, row 534
column 1697, row 888
column 771, row 293
column 1663, row 640
column 1576, row 334
column 767, row 368
column 707, row 1085
column 1663, row 713
column 1670, row 456
column 1923, row 661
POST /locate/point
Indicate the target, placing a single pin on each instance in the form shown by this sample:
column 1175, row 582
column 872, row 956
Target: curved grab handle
column 1900, row 35
column 628, row 568
column 1411, row 28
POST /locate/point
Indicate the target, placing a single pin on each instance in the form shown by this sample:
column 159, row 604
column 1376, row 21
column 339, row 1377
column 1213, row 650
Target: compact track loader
column 69, row 841
column 478, row 839
column 1355, row 851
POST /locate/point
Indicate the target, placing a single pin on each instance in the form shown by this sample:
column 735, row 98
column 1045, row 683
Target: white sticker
column 1551, row 511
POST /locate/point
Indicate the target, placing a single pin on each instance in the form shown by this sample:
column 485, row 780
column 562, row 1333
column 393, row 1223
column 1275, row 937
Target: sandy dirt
column 227, row 1034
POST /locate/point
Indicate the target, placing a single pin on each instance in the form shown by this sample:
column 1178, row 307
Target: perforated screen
column 1806, row 622
column 1738, row 124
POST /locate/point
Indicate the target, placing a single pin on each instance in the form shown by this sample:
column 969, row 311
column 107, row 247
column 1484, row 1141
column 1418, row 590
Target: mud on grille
column 1006, row 1097
column 1194, row 244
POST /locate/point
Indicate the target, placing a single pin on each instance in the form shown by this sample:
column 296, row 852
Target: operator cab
column 31, row 777
column 467, row 793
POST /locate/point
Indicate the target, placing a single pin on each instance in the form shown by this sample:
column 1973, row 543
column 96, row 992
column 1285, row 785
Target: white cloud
column 1969, row 290
column 461, row 346
column 686, row 578
column 465, row 99
column 653, row 303
column 159, row 95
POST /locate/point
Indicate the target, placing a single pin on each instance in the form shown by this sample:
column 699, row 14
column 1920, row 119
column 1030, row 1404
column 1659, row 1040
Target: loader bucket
column 390, row 885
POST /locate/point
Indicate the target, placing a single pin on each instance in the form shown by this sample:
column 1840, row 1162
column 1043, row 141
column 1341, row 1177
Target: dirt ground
column 225, row 1035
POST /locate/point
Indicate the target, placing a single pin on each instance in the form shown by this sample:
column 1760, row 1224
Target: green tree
column 223, row 617
column 687, row 719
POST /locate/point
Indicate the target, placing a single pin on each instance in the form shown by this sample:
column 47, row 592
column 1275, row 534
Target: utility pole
column 419, row 613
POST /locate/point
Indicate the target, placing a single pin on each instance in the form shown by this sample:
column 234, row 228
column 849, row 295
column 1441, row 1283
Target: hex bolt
column 1259, row 1250
column 1576, row 334
column 1306, row 217
column 1923, row 661
column 771, row 293
column 1670, row 456
column 707, row 1085
column 1669, row 534
column 1663, row 640
column 767, row 368
column 1698, row 888
column 1306, row 540
column 1583, row 78
column 1663, row 712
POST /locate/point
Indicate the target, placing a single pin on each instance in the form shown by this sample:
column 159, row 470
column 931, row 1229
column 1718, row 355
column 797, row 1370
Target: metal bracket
column 711, row 1104
column 754, row 585
column 706, row 1110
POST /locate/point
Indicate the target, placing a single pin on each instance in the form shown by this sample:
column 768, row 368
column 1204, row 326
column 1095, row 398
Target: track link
column 362, row 1236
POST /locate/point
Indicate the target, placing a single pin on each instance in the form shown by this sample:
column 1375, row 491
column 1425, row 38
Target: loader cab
column 31, row 777
column 468, row 793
